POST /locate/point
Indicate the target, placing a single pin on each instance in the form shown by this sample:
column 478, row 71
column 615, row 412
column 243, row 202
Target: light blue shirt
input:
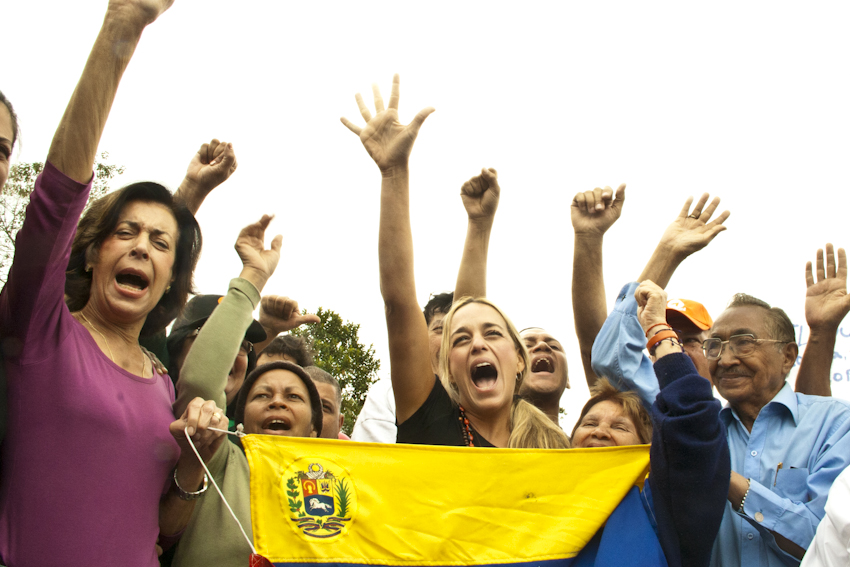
column 807, row 434
column 618, row 350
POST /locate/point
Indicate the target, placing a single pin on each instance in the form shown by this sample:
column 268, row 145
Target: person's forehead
column 537, row 334
column 154, row 216
column 609, row 409
column 741, row 320
column 436, row 318
column 5, row 123
column 326, row 391
column 476, row 314
column 280, row 379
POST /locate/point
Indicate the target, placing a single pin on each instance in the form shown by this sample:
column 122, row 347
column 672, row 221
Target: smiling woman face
column 483, row 359
column 605, row 425
column 279, row 404
column 132, row 267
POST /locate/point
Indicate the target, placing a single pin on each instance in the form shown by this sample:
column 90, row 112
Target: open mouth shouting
column 279, row 425
column 544, row 363
column 133, row 282
column 484, row 375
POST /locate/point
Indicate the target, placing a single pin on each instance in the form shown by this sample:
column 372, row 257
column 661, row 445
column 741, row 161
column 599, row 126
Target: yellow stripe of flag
column 317, row 500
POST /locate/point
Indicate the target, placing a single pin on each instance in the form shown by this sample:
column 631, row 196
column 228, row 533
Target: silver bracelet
column 740, row 510
column 183, row 495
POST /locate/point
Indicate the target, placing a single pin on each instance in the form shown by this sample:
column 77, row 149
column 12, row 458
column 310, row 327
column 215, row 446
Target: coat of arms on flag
column 320, row 498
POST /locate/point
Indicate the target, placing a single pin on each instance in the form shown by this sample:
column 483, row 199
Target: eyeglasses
column 741, row 346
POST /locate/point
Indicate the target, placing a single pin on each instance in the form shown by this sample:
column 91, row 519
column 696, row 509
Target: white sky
column 744, row 100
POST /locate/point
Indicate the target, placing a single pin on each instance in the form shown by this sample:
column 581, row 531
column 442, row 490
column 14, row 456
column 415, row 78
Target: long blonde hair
column 530, row 428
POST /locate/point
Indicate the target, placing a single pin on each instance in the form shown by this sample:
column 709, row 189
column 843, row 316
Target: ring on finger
column 694, row 215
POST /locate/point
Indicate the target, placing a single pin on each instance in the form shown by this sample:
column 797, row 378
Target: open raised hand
column 692, row 232
column 279, row 314
column 594, row 212
column 258, row 263
column 827, row 301
column 480, row 195
column 388, row 141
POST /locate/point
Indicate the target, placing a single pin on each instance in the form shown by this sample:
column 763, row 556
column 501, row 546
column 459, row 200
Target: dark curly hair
column 297, row 347
column 100, row 220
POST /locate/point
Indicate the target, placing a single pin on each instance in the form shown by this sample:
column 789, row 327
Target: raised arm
column 687, row 234
column 827, row 304
column 206, row 368
column 480, row 197
column 618, row 349
column 76, row 139
column 689, row 454
column 592, row 214
column 211, row 166
column 389, row 143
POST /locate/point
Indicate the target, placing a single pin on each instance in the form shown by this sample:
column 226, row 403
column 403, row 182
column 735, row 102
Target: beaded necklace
column 468, row 437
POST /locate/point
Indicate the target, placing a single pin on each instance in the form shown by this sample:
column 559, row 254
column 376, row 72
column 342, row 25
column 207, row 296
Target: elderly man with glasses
column 787, row 449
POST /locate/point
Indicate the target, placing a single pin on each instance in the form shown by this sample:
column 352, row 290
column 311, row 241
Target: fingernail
column 190, row 431
column 213, row 162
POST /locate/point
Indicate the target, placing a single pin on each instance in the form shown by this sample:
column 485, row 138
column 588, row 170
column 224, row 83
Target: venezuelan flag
column 345, row 503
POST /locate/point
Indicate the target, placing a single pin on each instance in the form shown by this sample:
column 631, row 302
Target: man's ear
column 313, row 433
column 341, row 420
column 789, row 354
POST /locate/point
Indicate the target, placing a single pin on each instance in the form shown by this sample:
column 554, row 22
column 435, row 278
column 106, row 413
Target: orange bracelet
column 658, row 337
column 656, row 325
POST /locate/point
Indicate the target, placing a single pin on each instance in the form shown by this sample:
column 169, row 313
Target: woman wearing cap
column 88, row 450
column 275, row 399
column 182, row 337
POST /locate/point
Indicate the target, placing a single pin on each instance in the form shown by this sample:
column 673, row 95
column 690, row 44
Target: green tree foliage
column 15, row 196
column 340, row 353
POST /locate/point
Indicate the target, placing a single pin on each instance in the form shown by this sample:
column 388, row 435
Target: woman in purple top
column 88, row 455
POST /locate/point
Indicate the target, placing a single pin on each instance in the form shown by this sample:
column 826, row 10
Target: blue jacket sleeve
column 618, row 350
column 690, row 463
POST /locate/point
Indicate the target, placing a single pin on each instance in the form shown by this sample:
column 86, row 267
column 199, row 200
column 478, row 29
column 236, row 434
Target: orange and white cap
column 694, row 311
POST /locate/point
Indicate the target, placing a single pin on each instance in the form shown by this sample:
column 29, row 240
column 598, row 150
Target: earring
column 88, row 268
column 168, row 288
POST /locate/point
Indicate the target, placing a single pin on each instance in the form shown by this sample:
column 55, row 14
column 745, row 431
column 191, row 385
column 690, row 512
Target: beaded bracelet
column 744, row 499
column 660, row 336
column 673, row 341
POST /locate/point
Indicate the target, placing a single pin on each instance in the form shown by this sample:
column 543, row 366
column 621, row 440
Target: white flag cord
column 212, row 480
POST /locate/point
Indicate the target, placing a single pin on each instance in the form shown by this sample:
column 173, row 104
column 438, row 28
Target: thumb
column 620, row 196
column 308, row 318
column 277, row 243
column 420, row 117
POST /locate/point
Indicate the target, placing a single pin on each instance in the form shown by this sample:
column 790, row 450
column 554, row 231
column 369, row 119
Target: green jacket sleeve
column 204, row 372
